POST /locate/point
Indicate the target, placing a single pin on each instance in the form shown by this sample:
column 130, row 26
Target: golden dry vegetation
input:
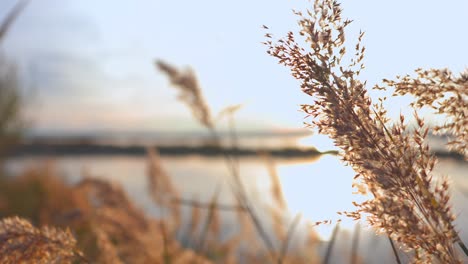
column 46, row 220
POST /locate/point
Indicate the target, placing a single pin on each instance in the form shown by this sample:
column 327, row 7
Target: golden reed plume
column 394, row 163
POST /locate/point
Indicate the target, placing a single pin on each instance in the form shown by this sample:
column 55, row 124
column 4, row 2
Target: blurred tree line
column 10, row 95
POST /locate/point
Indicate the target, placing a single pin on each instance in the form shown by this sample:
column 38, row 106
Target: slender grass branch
column 394, row 250
column 331, row 243
column 289, row 236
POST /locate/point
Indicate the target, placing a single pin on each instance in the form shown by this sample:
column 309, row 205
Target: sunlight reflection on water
column 319, row 190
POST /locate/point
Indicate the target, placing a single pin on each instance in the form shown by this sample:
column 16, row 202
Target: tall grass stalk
column 331, row 244
column 289, row 237
column 355, row 244
column 191, row 95
column 394, row 163
column 394, row 250
column 211, row 221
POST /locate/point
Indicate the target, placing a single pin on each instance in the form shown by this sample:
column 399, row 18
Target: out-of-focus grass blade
column 11, row 17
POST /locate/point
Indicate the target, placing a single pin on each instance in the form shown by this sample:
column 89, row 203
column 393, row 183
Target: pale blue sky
column 90, row 62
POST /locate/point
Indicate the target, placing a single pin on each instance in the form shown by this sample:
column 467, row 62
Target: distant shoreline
column 80, row 149
column 135, row 150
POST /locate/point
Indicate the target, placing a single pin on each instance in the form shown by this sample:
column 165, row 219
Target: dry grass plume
column 394, row 163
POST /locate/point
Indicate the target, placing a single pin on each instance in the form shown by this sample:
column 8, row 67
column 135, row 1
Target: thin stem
column 11, row 17
column 289, row 236
column 240, row 193
column 397, row 258
column 193, row 203
column 327, row 257
column 355, row 244
column 463, row 247
column 209, row 218
column 166, row 256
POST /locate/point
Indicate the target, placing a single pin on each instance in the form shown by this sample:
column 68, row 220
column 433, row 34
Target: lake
column 317, row 188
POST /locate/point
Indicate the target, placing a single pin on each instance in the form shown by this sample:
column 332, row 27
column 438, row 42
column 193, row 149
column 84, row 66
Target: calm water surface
column 317, row 189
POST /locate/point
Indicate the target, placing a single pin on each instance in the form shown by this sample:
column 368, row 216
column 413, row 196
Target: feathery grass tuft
column 444, row 92
column 190, row 92
column 394, row 163
column 21, row 242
